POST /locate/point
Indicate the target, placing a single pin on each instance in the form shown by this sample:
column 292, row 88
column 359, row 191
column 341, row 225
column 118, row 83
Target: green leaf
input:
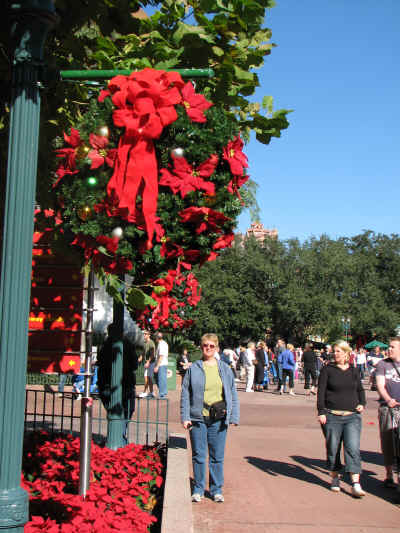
column 268, row 103
column 243, row 75
column 137, row 299
column 159, row 290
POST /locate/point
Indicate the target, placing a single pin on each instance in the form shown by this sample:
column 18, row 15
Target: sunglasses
column 208, row 345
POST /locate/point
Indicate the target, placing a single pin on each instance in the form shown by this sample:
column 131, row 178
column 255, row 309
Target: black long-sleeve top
column 339, row 389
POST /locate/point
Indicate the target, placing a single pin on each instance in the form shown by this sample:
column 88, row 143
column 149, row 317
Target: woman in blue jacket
column 286, row 359
column 207, row 384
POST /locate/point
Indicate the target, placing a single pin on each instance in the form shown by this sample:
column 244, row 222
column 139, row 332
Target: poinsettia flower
column 194, row 103
column 69, row 154
column 235, row 184
column 109, row 243
column 186, row 178
column 204, row 218
column 100, row 154
column 233, row 154
column 224, row 241
column 170, row 249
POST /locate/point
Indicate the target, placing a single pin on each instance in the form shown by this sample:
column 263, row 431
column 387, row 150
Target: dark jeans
column 310, row 373
column 346, row 429
column 288, row 373
column 361, row 369
column 278, row 369
column 208, row 437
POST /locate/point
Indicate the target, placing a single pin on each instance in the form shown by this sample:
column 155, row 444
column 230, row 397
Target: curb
column 177, row 516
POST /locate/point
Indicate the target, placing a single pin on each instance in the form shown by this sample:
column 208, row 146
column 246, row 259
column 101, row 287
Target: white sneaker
column 143, row 395
column 219, row 498
column 292, row 393
column 196, row 497
column 335, row 484
column 357, row 491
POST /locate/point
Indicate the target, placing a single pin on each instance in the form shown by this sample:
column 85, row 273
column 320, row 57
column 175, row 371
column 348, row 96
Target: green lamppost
column 346, row 326
column 31, row 21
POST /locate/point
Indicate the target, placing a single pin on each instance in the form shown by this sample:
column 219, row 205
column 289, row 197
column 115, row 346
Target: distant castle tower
column 260, row 233
column 257, row 231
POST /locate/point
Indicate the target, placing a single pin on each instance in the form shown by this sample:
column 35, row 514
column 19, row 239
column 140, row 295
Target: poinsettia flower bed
column 123, row 490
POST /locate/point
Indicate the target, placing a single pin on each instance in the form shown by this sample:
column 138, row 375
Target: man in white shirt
column 161, row 367
column 249, row 360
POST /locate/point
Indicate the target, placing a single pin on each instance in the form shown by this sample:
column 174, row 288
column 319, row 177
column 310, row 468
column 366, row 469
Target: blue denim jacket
column 192, row 394
column 286, row 359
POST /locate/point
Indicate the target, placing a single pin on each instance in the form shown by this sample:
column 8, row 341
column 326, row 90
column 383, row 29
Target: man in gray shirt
column 388, row 385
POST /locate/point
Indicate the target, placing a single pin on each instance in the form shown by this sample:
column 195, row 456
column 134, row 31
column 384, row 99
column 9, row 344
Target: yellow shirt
column 213, row 391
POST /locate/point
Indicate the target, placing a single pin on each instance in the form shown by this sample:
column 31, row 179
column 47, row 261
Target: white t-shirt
column 162, row 350
column 361, row 358
column 250, row 356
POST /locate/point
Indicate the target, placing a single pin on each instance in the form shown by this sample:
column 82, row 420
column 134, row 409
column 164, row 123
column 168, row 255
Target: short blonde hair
column 344, row 346
column 251, row 344
column 290, row 347
column 209, row 337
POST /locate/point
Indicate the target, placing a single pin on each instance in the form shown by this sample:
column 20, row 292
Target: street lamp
column 346, row 326
column 30, row 24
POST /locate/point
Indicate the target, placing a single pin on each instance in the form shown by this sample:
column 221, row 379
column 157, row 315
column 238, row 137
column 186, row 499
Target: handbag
column 217, row 410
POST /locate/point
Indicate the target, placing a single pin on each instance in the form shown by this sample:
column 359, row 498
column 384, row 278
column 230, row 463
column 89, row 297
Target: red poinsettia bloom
column 100, row 155
column 236, row 158
column 69, row 154
column 195, row 104
column 224, row 241
column 109, row 243
column 186, row 178
column 204, row 218
column 235, row 184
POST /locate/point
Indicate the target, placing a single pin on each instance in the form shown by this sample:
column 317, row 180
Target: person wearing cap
column 161, row 366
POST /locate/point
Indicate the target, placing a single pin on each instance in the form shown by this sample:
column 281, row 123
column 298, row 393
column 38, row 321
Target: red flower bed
column 123, row 487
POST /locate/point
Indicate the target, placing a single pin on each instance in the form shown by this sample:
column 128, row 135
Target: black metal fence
column 55, row 412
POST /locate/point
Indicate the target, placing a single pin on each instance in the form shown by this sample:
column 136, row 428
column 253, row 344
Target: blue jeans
column 346, row 429
column 62, row 381
column 209, row 437
column 161, row 381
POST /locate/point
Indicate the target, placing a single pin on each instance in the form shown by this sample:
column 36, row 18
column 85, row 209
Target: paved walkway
column 275, row 476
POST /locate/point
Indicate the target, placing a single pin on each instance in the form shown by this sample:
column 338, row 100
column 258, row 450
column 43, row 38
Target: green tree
column 238, row 292
column 300, row 290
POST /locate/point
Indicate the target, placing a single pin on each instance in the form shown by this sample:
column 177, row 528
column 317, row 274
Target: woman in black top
column 309, row 368
column 260, row 366
column 340, row 402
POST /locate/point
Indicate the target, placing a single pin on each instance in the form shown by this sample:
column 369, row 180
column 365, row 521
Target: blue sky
column 335, row 170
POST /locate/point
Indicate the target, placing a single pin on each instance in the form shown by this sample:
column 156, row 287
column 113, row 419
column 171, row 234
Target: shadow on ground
column 280, row 468
column 369, row 481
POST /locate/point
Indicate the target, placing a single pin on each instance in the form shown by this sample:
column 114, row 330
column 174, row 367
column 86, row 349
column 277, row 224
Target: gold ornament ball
column 85, row 212
column 82, row 151
column 104, row 131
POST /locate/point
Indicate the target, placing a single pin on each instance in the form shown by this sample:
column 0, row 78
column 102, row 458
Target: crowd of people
column 336, row 375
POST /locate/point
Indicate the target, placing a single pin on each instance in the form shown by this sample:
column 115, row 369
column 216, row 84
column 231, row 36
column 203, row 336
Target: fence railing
column 55, row 412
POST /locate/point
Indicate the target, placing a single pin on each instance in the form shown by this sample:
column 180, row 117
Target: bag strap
column 395, row 367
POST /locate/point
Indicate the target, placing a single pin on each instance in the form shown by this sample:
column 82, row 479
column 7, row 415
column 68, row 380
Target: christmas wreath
column 147, row 184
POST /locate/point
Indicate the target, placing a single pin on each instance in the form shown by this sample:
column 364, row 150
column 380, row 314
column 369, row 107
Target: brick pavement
column 275, row 476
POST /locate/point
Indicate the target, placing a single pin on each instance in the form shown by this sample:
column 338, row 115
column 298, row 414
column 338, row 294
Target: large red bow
column 145, row 103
